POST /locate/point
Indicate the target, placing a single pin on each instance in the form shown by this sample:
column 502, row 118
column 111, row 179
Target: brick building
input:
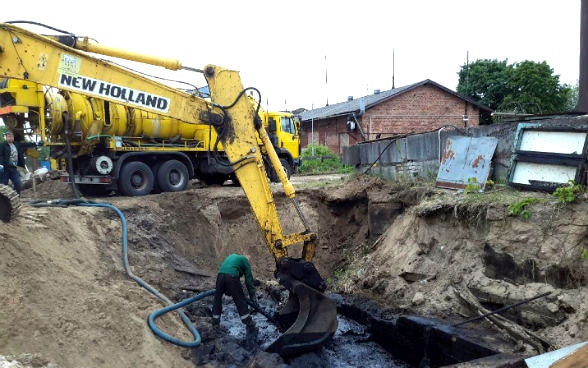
column 417, row 108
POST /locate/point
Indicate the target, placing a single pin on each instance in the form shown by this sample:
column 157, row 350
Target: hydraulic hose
column 171, row 306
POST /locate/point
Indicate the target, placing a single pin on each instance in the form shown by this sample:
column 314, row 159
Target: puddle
column 365, row 337
column 350, row 346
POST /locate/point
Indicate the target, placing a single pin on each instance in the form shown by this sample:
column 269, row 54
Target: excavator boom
column 310, row 318
column 315, row 314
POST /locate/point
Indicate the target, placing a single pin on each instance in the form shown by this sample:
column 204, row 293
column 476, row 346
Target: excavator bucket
column 309, row 317
column 315, row 323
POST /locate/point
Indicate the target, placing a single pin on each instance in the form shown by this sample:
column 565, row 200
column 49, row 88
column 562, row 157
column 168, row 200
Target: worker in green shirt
column 228, row 282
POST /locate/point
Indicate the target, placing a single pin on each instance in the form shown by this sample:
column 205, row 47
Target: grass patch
column 319, row 159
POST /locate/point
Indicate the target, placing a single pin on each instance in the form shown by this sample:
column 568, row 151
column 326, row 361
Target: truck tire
column 136, row 179
column 273, row 175
column 287, row 167
column 9, row 203
column 172, row 176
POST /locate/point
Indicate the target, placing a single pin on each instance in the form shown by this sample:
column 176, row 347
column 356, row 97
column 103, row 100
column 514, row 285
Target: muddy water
column 350, row 346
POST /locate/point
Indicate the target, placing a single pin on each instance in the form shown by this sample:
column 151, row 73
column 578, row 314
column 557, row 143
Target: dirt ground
column 68, row 302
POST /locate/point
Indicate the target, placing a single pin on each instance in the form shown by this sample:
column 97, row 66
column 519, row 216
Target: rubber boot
column 250, row 324
column 251, row 332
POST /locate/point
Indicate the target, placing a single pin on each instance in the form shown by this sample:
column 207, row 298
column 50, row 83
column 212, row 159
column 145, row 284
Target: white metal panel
column 554, row 142
column 525, row 172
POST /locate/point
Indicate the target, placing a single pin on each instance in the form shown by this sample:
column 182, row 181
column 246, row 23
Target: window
column 288, row 125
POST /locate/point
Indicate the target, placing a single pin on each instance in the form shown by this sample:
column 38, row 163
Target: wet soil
column 68, row 302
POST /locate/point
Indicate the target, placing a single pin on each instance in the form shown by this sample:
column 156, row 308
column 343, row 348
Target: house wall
column 423, row 109
column 331, row 133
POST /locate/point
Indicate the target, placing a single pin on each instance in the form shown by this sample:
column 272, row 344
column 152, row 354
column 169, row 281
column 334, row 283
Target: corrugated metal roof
column 366, row 102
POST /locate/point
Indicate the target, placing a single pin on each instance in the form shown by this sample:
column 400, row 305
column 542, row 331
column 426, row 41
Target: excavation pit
column 363, row 338
column 66, row 296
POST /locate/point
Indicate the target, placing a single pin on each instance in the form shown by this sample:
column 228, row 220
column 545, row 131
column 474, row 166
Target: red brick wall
column 423, row 109
column 327, row 133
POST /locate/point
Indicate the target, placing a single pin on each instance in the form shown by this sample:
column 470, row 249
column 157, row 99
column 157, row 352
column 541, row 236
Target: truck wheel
column 287, row 167
column 273, row 175
column 136, row 179
column 9, row 203
column 172, row 176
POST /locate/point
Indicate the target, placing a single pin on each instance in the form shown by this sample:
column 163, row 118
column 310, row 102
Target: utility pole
column 582, row 105
column 312, row 131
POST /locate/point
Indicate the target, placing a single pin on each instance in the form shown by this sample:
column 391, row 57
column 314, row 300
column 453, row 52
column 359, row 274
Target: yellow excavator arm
column 29, row 56
column 63, row 62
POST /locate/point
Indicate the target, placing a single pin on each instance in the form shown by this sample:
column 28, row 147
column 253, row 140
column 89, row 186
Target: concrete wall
column 418, row 155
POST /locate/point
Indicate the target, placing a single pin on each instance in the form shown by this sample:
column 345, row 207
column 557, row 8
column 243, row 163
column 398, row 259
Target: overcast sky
column 306, row 53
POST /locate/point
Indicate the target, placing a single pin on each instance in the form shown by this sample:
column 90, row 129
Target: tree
column 535, row 90
column 3, row 130
column 574, row 94
column 485, row 81
column 525, row 87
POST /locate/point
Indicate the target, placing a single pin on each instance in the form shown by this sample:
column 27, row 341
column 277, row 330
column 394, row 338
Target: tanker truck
column 91, row 139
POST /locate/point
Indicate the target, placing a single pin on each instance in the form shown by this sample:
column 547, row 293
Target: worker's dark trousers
column 231, row 286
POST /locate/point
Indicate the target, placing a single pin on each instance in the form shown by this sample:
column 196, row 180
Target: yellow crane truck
column 105, row 117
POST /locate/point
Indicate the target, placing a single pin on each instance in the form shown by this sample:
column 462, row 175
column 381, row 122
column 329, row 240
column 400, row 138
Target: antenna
column 465, row 113
column 326, row 81
column 393, row 69
column 467, row 81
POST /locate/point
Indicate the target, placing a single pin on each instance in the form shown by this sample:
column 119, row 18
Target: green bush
column 323, row 161
column 522, row 208
column 569, row 193
column 3, row 130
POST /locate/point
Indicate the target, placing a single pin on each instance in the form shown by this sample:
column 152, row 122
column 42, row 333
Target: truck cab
column 283, row 129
